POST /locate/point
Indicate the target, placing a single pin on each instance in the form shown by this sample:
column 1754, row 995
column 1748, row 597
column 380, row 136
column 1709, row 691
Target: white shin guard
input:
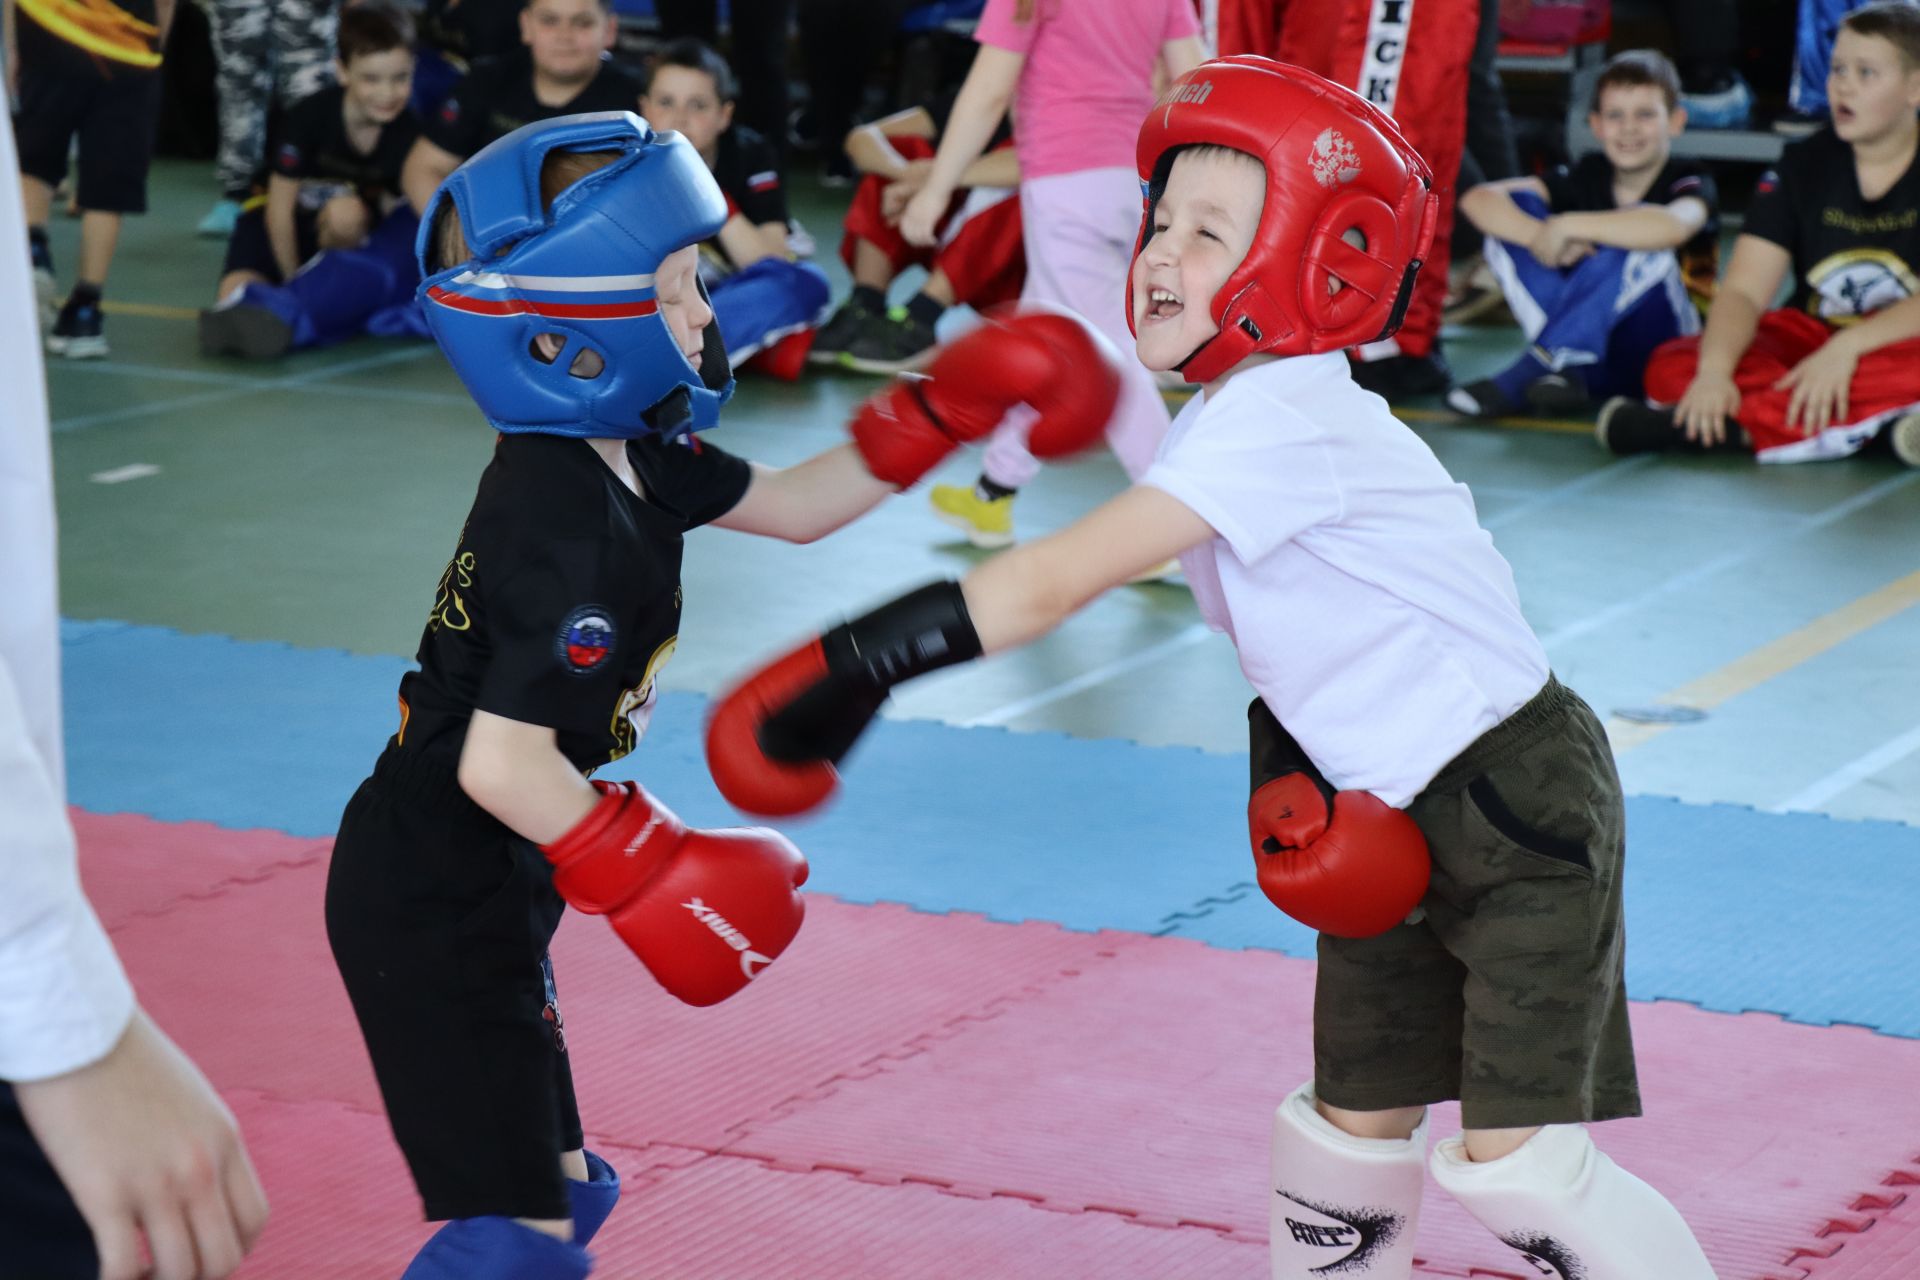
column 1342, row 1206
column 1574, row 1213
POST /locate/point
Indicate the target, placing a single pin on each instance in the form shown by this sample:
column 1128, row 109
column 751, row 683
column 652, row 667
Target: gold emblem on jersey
column 449, row 606
column 634, row 708
column 1845, row 288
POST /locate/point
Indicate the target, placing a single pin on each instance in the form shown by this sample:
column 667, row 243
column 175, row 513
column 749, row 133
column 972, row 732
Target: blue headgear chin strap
column 584, row 272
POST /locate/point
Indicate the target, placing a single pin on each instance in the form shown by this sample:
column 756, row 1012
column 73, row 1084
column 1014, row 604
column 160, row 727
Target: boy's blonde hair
column 1895, row 21
column 1633, row 67
column 560, row 170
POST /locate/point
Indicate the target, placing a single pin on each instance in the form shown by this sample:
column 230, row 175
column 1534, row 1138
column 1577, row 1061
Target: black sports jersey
column 562, row 600
column 311, row 142
column 748, row 173
column 1851, row 256
column 497, row 97
column 1587, row 187
column 471, row 29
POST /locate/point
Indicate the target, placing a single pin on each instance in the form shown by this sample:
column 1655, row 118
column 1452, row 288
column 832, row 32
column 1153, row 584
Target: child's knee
column 342, row 223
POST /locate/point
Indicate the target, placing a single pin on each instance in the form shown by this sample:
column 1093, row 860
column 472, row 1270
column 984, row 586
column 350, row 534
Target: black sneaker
column 836, row 171
column 1799, row 124
column 1482, row 399
column 890, row 343
column 1626, row 425
column 1402, row 377
column 245, row 330
column 1557, row 396
column 838, row 333
column 79, row 332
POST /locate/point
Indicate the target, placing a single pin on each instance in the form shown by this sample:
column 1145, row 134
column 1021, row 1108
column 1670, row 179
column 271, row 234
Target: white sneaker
column 46, row 294
column 1904, row 435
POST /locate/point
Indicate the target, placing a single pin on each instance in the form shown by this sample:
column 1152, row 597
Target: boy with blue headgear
column 1437, row 805
column 561, row 279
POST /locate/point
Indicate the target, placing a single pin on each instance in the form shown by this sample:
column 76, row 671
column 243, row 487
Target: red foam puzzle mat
column 134, row 867
column 910, row 1094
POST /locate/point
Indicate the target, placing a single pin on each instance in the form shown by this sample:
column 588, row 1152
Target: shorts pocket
column 1507, row 824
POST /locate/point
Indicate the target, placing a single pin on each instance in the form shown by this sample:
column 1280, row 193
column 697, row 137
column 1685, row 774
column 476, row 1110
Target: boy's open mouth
column 1162, row 304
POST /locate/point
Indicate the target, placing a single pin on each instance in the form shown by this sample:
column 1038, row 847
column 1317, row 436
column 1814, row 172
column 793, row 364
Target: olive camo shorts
column 1508, row 992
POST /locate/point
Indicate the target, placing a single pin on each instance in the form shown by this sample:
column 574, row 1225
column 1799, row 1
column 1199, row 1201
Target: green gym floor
column 315, row 501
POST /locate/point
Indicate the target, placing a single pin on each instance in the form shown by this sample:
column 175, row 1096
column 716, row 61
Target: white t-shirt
column 64, row 999
column 1369, row 608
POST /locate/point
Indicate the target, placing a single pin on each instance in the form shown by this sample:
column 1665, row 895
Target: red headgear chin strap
column 1334, row 163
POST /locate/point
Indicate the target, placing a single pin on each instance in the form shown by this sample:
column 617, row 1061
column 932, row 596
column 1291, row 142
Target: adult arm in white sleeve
column 137, row 1136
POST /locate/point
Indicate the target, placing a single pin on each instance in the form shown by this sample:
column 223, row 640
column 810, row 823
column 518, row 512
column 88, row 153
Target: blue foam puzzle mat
column 1797, row 914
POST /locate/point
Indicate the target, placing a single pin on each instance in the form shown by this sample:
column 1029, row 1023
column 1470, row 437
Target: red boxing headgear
column 1334, row 163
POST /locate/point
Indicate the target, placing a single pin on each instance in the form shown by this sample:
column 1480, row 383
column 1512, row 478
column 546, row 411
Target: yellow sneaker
column 1165, row 571
column 986, row 524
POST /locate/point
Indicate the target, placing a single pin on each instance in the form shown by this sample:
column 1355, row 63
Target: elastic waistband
column 427, row 777
column 1539, row 715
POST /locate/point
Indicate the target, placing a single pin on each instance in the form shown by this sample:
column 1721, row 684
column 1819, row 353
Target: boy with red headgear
column 1441, row 808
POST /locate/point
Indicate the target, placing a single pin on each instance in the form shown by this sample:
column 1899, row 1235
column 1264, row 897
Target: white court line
column 1539, row 501
column 1839, row 511
column 162, row 373
column 1100, row 675
column 119, row 475
column 407, row 395
column 1088, row 679
column 1824, row 789
column 1753, row 550
column 249, row 387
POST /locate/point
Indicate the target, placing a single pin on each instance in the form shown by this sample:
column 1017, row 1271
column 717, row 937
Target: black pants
column 439, row 918
column 842, row 40
column 758, row 54
column 1490, row 155
column 42, row 1234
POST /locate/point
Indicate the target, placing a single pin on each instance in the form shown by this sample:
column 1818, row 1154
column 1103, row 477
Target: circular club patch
column 585, row 641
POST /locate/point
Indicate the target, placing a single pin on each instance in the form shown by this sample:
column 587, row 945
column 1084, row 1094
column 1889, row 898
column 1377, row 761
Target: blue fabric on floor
column 1800, row 915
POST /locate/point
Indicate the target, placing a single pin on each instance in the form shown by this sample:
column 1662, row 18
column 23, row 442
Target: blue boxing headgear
column 583, row 271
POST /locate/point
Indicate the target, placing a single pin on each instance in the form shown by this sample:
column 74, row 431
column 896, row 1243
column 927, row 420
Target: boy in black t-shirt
column 334, row 228
column 767, row 301
column 1840, row 363
column 573, row 313
column 562, row 70
column 92, row 72
column 1597, row 261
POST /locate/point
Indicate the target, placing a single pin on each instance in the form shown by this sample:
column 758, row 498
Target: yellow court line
column 152, row 310
column 1560, row 426
column 1773, row 659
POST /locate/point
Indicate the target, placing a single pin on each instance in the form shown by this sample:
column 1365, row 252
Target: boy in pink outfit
column 1079, row 78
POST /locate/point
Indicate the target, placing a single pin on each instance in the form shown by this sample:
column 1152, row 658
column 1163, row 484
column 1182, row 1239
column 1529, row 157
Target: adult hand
column 144, row 1144
column 1821, row 384
column 1710, row 399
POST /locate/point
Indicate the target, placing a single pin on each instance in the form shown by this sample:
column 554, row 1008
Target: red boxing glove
column 1048, row 360
column 705, row 911
column 1353, row 868
column 773, row 741
column 747, row 776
